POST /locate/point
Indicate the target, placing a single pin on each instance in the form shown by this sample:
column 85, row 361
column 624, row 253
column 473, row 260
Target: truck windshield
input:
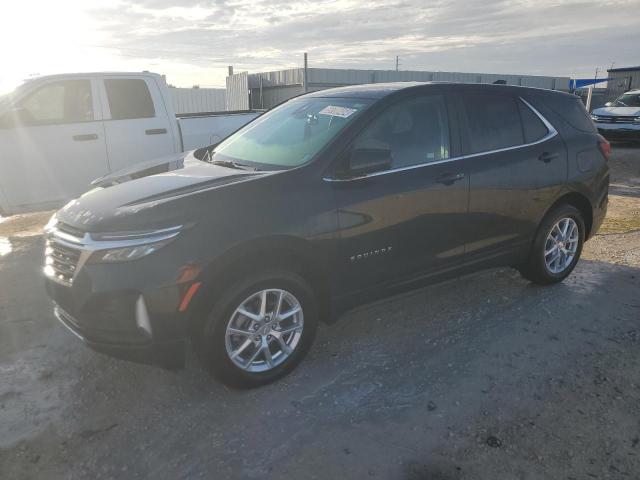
column 628, row 100
column 291, row 134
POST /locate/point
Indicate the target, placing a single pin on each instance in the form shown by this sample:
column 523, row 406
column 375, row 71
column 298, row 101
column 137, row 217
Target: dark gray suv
column 329, row 200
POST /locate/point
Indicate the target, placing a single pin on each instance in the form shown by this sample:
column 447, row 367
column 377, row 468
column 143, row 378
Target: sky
column 192, row 41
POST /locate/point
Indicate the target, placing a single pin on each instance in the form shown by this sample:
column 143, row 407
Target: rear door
column 397, row 223
column 52, row 145
column 137, row 123
column 517, row 166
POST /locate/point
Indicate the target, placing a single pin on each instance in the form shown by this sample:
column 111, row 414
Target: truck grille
column 616, row 119
column 62, row 256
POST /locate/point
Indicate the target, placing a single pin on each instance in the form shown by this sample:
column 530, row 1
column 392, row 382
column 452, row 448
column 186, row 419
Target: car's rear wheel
column 557, row 246
column 259, row 329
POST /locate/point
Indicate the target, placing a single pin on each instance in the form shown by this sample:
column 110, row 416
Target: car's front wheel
column 556, row 247
column 259, row 329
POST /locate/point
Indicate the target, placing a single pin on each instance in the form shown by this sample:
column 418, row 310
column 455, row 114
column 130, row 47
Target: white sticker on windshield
column 337, row 111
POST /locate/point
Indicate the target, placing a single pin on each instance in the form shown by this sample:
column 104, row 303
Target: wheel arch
column 579, row 201
column 282, row 251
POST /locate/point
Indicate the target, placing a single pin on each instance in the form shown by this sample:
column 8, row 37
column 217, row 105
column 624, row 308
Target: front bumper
column 619, row 131
column 168, row 354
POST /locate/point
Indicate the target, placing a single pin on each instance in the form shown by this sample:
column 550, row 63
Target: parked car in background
column 620, row 119
column 58, row 133
column 331, row 199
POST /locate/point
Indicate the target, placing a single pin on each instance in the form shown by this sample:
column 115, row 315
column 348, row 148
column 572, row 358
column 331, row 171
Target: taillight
column 604, row 146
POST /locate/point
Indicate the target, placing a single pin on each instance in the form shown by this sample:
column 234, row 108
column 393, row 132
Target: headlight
column 636, row 120
column 126, row 246
column 128, row 253
column 594, row 117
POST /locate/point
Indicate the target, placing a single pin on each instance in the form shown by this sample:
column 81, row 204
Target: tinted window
column 572, row 110
column 129, row 98
column 493, row 122
column 534, row 129
column 69, row 101
column 415, row 131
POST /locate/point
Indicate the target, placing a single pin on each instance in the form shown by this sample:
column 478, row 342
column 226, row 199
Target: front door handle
column 85, row 138
column 156, row 131
column 546, row 157
column 450, row 178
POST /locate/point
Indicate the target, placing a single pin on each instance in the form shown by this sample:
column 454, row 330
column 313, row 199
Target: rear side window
column 129, row 99
column 68, row 101
column 493, row 122
column 533, row 127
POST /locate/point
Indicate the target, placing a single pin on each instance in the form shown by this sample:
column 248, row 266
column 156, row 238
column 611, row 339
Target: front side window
column 415, row 131
column 493, row 122
column 627, row 100
column 291, row 134
column 68, row 101
column 129, row 98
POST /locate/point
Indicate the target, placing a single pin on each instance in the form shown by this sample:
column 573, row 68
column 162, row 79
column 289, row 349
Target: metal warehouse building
column 267, row 89
column 622, row 80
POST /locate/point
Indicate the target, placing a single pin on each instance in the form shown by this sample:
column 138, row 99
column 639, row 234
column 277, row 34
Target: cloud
column 193, row 41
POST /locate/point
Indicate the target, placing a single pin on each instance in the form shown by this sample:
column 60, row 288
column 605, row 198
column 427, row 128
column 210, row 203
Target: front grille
column 615, row 119
column 61, row 261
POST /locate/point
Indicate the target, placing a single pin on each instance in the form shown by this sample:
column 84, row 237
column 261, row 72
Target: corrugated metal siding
column 237, row 97
column 620, row 82
column 198, row 100
column 282, row 85
column 273, row 96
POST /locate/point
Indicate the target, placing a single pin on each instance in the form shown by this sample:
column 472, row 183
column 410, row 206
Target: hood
column 152, row 194
column 617, row 111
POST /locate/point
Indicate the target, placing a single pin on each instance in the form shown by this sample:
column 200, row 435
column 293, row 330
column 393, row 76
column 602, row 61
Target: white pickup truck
column 60, row 132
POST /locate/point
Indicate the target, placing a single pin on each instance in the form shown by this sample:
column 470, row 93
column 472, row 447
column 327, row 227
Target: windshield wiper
column 230, row 164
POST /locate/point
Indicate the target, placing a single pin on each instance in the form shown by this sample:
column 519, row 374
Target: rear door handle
column 450, row 178
column 156, row 131
column 546, row 157
column 85, row 138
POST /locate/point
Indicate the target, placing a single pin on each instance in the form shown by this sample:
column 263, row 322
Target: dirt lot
column 484, row 377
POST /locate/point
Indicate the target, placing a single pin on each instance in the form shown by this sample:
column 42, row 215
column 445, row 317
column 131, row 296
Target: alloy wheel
column 561, row 245
column 264, row 330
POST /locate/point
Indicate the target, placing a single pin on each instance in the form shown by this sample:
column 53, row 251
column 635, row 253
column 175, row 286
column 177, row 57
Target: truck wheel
column 556, row 247
column 259, row 329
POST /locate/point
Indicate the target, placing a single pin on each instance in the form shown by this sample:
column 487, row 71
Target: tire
column 216, row 344
column 538, row 268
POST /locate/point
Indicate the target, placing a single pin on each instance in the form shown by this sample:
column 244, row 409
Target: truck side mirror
column 364, row 161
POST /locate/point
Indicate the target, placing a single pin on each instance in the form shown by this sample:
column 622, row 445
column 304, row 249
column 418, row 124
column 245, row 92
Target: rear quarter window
column 572, row 110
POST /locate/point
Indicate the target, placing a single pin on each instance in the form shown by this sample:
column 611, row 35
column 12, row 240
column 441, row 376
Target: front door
column 408, row 218
column 52, row 145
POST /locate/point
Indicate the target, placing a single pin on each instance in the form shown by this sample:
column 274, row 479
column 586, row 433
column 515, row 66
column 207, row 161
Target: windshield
column 627, row 100
column 291, row 134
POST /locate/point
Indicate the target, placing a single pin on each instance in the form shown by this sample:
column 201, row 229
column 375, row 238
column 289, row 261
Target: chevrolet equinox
column 330, row 200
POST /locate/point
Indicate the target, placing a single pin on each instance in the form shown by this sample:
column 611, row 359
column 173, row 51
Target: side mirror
column 364, row 161
column 608, row 104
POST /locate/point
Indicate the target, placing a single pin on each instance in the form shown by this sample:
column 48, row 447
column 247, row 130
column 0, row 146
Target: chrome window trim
column 552, row 132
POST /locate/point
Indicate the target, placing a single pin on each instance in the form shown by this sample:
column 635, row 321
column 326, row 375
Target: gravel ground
column 482, row 377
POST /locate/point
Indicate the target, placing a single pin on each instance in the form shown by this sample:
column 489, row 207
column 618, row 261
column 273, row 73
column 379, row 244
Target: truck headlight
column 636, row 120
column 127, row 246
